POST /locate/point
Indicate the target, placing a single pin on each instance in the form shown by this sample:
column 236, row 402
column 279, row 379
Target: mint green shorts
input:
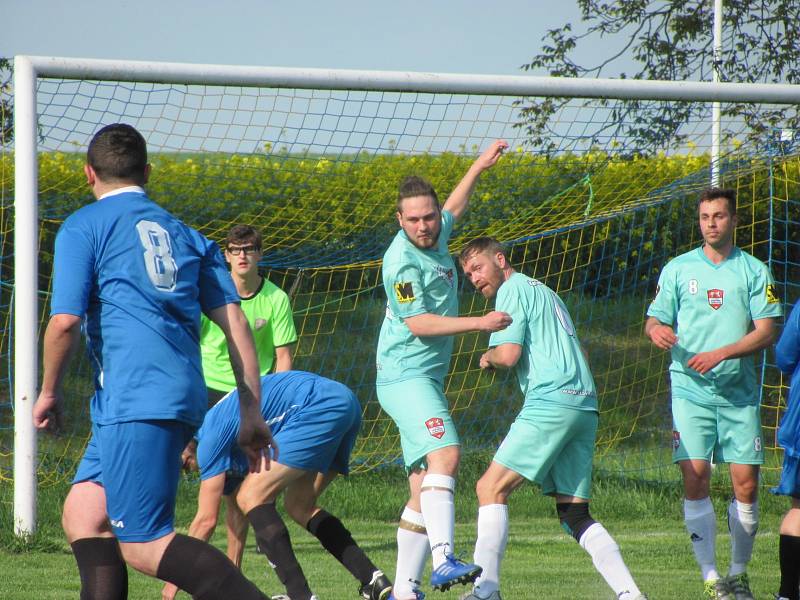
column 724, row 434
column 553, row 446
column 419, row 409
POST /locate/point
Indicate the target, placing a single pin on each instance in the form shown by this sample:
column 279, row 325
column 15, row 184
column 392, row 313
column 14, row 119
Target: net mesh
column 317, row 171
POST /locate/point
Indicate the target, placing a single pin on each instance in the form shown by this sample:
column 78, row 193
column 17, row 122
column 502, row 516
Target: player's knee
column 444, row 460
column 299, row 513
column 490, row 491
column 574, row 518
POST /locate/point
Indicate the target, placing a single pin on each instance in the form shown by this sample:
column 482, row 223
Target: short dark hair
column 118, row 153
column 716, row 193
column 243, row 234
column 413, row 186
column 485, row 245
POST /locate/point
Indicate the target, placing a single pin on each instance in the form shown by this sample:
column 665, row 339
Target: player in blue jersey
column 414, row 350
column 315, row 422
column 787, row 355
column 551, row 442
column 137, row 278
column 715, row 306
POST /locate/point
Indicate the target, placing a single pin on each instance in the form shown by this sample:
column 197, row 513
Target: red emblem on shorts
column 435, row 427
column 676, row 439
column 715, row 298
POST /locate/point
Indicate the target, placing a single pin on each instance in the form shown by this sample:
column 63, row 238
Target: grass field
column 541, row 560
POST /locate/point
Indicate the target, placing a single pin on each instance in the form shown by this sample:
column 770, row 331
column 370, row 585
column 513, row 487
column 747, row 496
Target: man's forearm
column 429, row 324
column 750, row 344
column 60, row 341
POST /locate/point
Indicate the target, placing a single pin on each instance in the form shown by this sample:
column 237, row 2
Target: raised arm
column 458, row 200
column 60, row 341
column 254, row 434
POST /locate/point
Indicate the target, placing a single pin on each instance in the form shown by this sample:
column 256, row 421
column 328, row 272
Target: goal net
column 594, row 213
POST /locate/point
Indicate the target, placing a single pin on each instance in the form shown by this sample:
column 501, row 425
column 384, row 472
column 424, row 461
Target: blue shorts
column 138, row 463
column 790, row 477
column 320, row 436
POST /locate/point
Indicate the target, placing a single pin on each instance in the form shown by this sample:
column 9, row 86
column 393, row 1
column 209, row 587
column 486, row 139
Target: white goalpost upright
column 27, row 69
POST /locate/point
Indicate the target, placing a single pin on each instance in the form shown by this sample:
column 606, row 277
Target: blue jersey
column 787, row 355
column 140, row 277
column 285, row 397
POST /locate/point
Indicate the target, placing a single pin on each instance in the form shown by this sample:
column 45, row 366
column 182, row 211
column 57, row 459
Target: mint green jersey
column 710, row 306
column 552, row 368
column 416, row 282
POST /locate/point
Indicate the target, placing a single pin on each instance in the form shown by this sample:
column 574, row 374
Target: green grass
column 541, row 561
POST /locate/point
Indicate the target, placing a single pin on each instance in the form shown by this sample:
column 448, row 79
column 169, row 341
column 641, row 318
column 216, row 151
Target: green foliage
column 6, row 103
column 671, row 40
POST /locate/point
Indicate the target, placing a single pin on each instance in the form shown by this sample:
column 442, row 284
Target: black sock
column 273, row 539
column 103, row 572
column 337, row 540
column 204, row 572
column 789, row 553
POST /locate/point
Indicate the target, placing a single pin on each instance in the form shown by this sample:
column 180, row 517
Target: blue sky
column 465, row 36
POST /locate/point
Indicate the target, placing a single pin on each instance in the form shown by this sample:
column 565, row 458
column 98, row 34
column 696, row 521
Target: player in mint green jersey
column 413, row 356
column 551, row 442
column 715, row 307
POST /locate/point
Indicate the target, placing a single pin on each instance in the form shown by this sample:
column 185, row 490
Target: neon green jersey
column 710, row 306
column 270, row 317
column 551, row 367
column 416, row 282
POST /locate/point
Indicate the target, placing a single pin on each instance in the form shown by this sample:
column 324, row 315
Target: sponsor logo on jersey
column 715, row 298
column 772, row 294
column 259, row 323
column 447, row 274
column 435, row 427
column 404, row 292
column 676, row 439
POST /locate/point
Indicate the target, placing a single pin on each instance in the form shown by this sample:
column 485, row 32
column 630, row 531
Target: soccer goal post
column 313, row 156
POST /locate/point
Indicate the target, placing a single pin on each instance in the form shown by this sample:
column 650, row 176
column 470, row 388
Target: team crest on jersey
column 676, row 439
column 435, row 427
column 715, row 298
column 404, row 292
column 259, row 323
column 446, row 274
column 772, row 294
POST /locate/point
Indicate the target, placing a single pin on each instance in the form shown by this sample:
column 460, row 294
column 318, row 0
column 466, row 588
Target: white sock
column 438, row 510
column 491, row 545
column 743, row 525
column 412, row 553
column 701, row 523
column 608, row 561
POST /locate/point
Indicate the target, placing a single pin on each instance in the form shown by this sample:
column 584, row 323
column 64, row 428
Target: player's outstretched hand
column 491, row 155
column 47, row 412
column 255, row 439
column 495, row 321
column 663, row 336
